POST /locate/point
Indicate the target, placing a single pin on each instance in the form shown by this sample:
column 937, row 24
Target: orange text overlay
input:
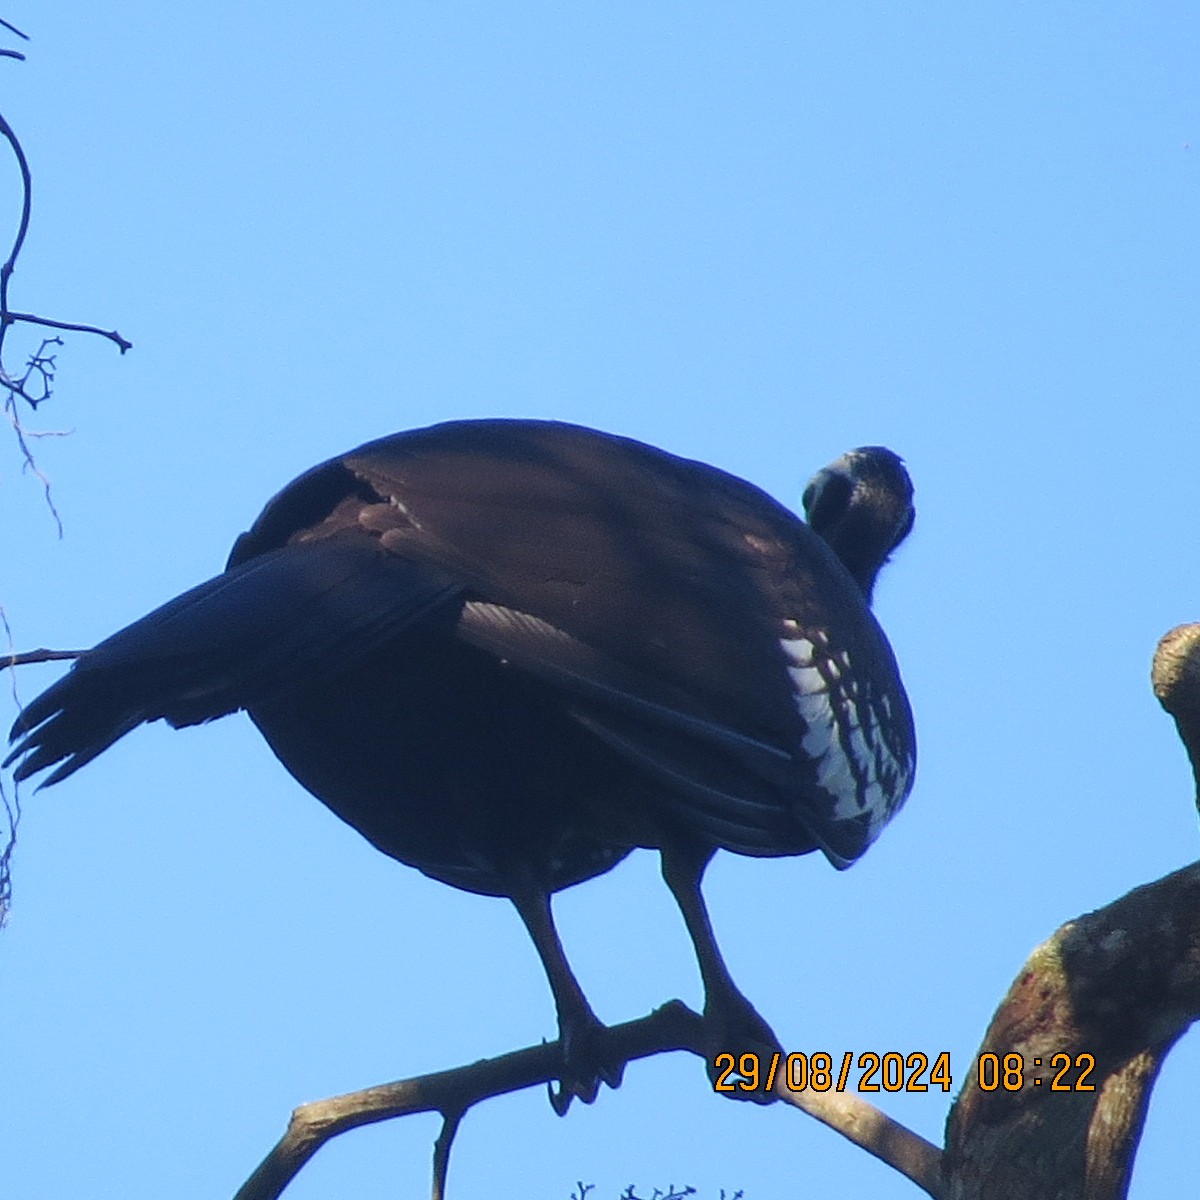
column 823, row 1072
column 1059, row 1072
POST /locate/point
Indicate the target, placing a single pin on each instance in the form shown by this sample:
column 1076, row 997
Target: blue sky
column 756, row 235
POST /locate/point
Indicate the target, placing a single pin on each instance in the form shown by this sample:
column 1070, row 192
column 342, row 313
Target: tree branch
column 113, row 336
column 10, row 263
column 39, row 367
column 13, row 29
column 1175, row 676
column 1116, row 988
column 672, row 1027
column 874, row 1131
column 38, row 656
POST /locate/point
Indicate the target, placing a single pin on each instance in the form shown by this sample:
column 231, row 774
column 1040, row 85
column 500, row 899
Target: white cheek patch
column 858, row 767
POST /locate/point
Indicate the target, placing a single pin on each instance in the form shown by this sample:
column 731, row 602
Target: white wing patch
column 857, row 766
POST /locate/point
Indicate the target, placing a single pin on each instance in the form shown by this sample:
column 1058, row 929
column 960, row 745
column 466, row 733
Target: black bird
column 507, row 652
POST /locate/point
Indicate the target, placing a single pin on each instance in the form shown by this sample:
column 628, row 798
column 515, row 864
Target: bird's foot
column 586, row 1062
column 733, row 1027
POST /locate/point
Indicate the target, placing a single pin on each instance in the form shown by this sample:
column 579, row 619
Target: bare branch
column 30, row 464
column 38, row 656
column 12, row 808
column 7, row 316
column 40, row 367
column 10, row 263
column 1175, row 676
column 122, row 344
column 1087, row 1025
column 672, row 1027
column 10, row 819
column 873, row 1130
column 441, row 1152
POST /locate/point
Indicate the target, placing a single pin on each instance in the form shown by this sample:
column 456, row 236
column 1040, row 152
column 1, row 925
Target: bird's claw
column 585, row 1065
column 561, row 1097
column 735, row 1026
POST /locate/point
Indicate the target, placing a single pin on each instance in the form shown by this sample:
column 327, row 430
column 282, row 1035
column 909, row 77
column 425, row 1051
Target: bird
column 509, row 652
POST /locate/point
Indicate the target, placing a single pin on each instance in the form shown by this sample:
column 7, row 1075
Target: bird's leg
column 732, row 1024
column 581, row 1033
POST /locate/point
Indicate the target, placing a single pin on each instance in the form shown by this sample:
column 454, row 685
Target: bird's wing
column 742, row 792
column 588, row 674
column 659, row 563
column 227, row 643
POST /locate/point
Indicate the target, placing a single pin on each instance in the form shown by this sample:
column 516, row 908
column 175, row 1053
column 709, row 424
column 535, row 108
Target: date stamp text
column 896, row 1072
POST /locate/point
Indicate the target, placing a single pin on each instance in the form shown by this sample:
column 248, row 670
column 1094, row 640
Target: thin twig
column 12, row 808
column 10, row 263
column 36, row 363
column 40, row 367
column 122, row 344
column 38, row 656
column 441, row 1152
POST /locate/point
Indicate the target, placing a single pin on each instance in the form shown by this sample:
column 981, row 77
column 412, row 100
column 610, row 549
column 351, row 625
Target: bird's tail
column 237, row 639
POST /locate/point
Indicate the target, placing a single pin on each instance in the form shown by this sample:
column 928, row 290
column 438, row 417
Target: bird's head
column 862, row 506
